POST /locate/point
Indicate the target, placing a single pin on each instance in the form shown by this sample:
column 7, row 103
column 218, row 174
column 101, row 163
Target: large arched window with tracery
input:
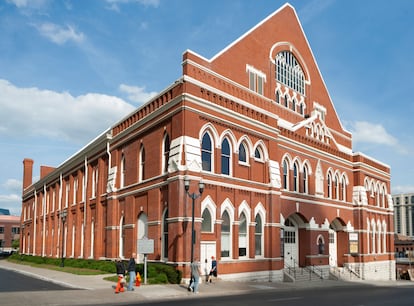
column 289, row 72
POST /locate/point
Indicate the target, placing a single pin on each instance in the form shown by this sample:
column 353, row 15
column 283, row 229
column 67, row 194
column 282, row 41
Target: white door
column 207, row 249
column 333, row 260
column 291, row 252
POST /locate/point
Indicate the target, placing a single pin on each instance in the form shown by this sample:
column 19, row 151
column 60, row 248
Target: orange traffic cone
column 120, row 285
column 138, row 280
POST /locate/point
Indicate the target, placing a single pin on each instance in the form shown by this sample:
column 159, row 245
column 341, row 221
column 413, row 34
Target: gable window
column 256, row 79
column 225, row 157
column 289, row 72
column 206, row 152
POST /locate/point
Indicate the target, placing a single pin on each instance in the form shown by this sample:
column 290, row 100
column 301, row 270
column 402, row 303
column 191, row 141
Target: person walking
column 213, row 271
column 195, row 275
column 131, row 268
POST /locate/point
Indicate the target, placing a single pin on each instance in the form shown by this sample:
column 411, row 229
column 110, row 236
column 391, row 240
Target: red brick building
column 255, row 123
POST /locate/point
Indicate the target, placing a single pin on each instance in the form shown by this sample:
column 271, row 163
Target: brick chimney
column 45, row 170
column 27, row 172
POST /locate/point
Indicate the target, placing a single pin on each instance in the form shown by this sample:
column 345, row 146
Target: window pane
column 206, row 151
column 225, row 157
column 242, row 153
column 206, row 224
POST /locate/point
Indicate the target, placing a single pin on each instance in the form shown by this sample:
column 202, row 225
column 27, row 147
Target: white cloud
column 12, row 202
column 312, row 9
column 402, row 189
column 367, row 132
column 28, row 112
column 28, row 3
column 13, row 185
column 58, row 34
column 137, row 94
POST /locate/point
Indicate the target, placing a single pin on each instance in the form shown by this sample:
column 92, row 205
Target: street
column 13, row 282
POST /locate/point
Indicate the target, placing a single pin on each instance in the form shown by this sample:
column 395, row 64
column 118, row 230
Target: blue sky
column 70, row 69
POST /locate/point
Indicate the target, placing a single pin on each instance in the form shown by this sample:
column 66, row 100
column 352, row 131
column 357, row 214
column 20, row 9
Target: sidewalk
column 96, row 290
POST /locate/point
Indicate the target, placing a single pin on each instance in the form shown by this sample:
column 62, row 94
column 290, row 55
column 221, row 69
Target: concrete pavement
column 96, row 290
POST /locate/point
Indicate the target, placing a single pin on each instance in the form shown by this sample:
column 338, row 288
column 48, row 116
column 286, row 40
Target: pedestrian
column 195, row 276
column 120, row 271
column 131, row 267
column 213, row 270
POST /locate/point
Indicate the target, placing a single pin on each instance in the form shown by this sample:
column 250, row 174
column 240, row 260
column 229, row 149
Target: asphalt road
column 14, row 282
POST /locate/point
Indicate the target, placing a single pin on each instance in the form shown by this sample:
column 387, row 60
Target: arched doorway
column 338, row 242
column 291, row 243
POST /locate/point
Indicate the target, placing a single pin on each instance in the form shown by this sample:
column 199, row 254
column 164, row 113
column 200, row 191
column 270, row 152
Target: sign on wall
column 146, row 246
column 353, row 243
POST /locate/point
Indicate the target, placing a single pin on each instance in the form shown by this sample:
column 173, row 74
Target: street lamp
column 63, row 216
column 193, row 196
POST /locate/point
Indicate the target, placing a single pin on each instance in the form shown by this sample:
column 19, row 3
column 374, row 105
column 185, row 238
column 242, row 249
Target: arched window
column 141, row 175
column 206, row 225
column 258, row 153
column 305, row 180
column 206, row 152
column 295, row 177
column 258, row 234
column 242, row 153
column 294, row 105
column 336, row 187
column 277, row 96
column 122, row 182
column 225, row 235
column 286, row 101
column 225, row 157
column 285, row 175
column 242, row 235
column 289, row 72
column 329, row 181
column 343, row 189
column 166, row 152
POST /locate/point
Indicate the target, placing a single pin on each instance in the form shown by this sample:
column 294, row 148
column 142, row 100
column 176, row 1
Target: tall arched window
column 166, row 152
column 295, row 177
column 258, row 153
column 225, row 157
column 225, row 235
column 206, row 225
column 343, row 189
column 286, row 101
column 242, row 235
column 242, row 153
column 285, row 175
column 305, row 180
column 329, row 181
column 258, row 234
column 289, row 72
column 336, row 187
column 122, row 178
column 141, row 174
column 206, row 152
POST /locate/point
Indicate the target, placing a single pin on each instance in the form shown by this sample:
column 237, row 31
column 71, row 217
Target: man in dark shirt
column 131, row 270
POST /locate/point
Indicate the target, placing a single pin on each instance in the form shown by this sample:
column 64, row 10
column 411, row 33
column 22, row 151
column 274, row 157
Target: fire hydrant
column 138, row 280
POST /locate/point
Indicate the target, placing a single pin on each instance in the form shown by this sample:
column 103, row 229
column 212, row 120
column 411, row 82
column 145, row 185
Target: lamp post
column 63, row 216
column 193, row 196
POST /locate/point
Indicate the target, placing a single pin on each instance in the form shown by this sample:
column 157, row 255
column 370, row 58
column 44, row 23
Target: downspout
column 34, row 224
column 106, row 206
column 58, row 250
column 85, row 206
column 44, row 220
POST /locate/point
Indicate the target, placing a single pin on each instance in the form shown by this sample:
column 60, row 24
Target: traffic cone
column 138, row 280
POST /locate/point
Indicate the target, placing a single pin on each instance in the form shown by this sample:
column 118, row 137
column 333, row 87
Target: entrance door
column 207, row 249
column 333, row 252
column 291, row 252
